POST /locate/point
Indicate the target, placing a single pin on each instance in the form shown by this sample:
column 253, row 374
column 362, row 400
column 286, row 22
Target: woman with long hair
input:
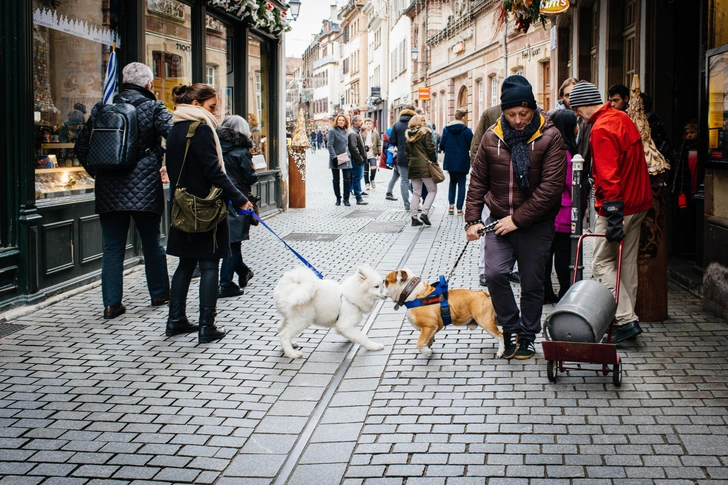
column 420, row 151
column 203, row 168
column 234, row 134
column 339, row 145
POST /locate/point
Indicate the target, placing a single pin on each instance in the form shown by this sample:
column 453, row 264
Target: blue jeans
column 457, row 184
column 233, row 264
column 357, row 172
column 404, row 186
column 115, row 227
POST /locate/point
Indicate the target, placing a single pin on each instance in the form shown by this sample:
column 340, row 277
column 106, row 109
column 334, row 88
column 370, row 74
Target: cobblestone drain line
column 318, row 412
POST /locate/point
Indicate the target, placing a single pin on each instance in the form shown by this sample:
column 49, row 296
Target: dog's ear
column 361, row 273
column 402, row 275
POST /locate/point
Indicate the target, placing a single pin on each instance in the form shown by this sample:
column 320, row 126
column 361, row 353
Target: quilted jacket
column 141, row 188
column 492, row 181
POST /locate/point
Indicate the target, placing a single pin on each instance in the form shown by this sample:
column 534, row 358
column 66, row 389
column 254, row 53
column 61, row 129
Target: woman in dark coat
column 234, row 134
column 420, row 152
column 338, row 144
column 203, row 169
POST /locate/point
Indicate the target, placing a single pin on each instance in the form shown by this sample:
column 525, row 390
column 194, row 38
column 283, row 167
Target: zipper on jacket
column 510, row 189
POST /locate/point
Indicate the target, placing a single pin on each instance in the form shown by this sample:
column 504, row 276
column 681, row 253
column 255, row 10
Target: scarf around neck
column 516, row 141
column 189, row 112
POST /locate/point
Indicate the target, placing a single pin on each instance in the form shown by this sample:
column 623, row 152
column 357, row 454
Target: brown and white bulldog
column 467, row 307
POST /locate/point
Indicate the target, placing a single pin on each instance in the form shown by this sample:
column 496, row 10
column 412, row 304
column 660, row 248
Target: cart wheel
column 552, row 367
column 617, row 374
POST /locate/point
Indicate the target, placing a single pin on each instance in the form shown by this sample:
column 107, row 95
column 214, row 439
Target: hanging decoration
column 260, row 14
column 525, row 13
column 656, row 162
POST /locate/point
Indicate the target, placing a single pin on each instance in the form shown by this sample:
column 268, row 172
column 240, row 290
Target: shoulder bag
column 436, row 172
column 194, row 214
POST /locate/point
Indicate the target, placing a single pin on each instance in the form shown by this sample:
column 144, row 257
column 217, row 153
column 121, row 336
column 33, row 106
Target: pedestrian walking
column 420, row 153
column 203, row 168
column 455, row 143
column 398, row 139
column 319, row 140
column 132, row 194
column 391, row 160
column 560, row 257
column 340, row 158
column 234, row 134
column 519, row 174
column 623, row 196
column 373, row 146
column 358, row 159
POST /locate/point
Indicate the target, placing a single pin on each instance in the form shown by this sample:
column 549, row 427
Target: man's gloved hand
column 615, row 220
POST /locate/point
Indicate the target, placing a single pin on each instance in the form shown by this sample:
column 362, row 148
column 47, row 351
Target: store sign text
column 554, row 7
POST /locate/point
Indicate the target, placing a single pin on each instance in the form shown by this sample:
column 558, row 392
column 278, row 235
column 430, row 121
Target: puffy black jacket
column 141, row 188
column 238, row 160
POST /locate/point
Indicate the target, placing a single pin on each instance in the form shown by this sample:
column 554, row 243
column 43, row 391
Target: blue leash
column 306, row 263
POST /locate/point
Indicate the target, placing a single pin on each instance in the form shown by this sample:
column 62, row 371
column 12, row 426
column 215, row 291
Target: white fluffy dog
column 302, row 300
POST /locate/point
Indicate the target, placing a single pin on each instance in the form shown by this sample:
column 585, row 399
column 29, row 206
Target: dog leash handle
column 303, row 260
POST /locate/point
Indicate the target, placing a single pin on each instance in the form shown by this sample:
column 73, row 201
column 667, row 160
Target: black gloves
column 615, row 220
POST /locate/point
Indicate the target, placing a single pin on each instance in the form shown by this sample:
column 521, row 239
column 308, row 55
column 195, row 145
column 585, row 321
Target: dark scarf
column 516, row 141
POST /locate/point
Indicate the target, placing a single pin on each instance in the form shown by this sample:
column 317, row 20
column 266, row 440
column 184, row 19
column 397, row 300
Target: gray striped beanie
column 584, row 94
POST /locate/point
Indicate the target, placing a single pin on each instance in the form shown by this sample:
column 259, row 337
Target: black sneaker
column 347, row 203
column 228, row 291
column 416, row 222
column 625, row 332
column 514, row 277
column 511, row 346
column 425, row 219
column 390, row 197
column 481, row 280
column 243, row 280
column 361, row 202
column 526, row 349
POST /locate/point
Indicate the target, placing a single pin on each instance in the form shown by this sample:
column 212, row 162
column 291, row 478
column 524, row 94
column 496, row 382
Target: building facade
column 50, row 236
column 378, row 65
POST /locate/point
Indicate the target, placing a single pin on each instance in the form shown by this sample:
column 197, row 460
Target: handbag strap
column 190, row 133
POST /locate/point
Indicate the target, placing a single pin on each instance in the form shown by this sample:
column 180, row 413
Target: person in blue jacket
column 455, row 143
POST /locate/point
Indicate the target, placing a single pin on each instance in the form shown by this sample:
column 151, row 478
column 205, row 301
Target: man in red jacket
column 623, row 195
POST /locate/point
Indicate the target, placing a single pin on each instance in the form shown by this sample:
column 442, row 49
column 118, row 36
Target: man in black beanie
column 519, row 173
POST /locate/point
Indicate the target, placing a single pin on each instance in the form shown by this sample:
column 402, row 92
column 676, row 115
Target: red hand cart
column 559, row 353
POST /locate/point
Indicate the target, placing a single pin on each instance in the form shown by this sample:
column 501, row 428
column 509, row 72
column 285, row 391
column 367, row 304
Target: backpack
column 113, row 144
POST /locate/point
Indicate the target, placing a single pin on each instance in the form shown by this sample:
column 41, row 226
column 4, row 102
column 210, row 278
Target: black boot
column 177, row 322
column 511, row 345
column 208, row 331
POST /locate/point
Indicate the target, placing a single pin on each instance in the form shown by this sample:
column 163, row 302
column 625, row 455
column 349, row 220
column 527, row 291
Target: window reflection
column 258, row 84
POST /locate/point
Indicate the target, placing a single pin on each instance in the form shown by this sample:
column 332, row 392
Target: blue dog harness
column 438, row 295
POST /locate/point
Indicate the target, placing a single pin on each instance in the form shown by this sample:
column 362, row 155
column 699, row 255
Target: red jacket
column 619, row 167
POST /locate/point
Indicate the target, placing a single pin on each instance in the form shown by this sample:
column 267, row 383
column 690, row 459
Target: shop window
column 168, row 39
column 258, row 93
column 72, row 42
column 219, row 69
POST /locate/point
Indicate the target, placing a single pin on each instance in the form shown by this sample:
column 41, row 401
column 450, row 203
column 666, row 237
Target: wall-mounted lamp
column 295, row 7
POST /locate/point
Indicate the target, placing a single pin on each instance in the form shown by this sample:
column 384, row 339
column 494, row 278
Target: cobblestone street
column 90, row 401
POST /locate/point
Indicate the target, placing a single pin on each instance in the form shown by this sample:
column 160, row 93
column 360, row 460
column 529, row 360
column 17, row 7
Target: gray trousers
column 530, row 247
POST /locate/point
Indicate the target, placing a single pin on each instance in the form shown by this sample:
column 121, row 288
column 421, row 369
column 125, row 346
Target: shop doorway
column 463, row 103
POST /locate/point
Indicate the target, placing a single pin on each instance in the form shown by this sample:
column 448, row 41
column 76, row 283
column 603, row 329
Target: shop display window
column 718, row 108
column 168, row 39
column 72, row 42
column 219, row 68
column 258, row 93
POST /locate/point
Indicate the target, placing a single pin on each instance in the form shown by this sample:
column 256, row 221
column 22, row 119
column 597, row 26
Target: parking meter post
column 577, row 215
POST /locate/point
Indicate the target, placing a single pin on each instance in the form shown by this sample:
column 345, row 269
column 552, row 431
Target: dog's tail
column 296, row 287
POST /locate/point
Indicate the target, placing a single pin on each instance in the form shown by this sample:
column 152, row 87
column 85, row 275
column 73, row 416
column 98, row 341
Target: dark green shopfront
column 53, row 56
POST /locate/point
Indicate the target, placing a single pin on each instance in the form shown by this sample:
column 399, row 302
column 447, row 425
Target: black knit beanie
column 517, row 92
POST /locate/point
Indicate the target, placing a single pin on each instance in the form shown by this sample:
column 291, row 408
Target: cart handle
column 619, row 261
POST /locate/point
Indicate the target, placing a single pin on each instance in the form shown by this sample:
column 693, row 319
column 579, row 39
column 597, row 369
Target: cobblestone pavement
column 89, row 401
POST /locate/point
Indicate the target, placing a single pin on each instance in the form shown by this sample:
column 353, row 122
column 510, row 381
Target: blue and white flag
column 110, row 81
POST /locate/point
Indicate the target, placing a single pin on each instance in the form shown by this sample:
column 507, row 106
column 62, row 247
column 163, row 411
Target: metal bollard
column 577, row 215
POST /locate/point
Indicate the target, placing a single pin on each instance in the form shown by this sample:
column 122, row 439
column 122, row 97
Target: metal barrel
column 583, row 314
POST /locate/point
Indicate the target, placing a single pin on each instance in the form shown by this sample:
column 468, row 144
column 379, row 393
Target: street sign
column 423, row 94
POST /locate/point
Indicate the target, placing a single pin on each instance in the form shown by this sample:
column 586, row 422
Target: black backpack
column 113, row 144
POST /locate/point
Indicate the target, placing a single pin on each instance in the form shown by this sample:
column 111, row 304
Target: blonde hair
column 416, row 120
column 367, row 119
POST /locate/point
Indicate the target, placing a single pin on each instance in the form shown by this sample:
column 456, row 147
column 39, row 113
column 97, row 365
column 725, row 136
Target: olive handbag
column 194, row 214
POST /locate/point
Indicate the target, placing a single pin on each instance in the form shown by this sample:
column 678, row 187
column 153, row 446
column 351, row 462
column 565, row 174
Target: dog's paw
column 501, row 349
column 294, row 355
column 374, row 346
column 426, row 351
